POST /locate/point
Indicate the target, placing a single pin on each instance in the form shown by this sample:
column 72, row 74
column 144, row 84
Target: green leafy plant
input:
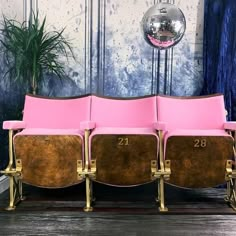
column 30, row 51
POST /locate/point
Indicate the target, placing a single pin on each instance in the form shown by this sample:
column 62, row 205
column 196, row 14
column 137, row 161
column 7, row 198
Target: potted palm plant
column 30, row 51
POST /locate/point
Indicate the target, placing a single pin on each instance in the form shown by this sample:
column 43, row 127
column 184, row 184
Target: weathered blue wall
column 112, row 56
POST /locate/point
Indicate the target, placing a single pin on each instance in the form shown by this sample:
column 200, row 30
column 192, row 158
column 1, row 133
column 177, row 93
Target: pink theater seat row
column 185, row 141
column 68, row 113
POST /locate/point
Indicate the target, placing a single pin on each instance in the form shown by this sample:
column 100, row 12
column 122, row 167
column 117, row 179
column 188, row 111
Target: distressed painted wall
column 112, row 56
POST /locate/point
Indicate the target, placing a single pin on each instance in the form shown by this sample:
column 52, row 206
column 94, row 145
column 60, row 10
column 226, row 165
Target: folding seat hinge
column 19, row 168
column 154, row 169
column 18, row 165
column 167, row 170
column 157, row 173
column 85, row 172
column 80, row 169
column 93, row 169
column 229, row 171
column 14, row 171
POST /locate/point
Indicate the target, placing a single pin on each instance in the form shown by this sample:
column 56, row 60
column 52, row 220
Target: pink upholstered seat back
column 192, row 113
column 132, row 112
column 56, row 113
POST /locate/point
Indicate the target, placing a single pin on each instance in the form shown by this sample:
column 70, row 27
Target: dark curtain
column 220, row 51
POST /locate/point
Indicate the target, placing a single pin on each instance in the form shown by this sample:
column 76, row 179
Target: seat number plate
column 200, row 143
column 123, row 141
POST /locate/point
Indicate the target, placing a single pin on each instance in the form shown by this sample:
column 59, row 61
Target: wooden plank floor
column 118, row 211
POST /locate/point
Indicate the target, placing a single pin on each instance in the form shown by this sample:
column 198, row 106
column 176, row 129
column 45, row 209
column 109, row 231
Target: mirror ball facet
column 163, row 25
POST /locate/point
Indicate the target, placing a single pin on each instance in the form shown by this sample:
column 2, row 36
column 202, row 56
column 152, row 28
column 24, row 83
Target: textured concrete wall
column 12, row 8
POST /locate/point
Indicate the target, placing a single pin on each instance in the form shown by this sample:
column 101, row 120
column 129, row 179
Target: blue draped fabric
column 219, row 56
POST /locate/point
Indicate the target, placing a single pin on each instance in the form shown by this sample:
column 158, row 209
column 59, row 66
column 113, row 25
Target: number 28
column 200, row 143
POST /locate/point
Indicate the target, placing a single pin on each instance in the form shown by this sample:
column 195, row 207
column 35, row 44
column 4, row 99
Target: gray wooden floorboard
column 131, row 212
column 74, row 223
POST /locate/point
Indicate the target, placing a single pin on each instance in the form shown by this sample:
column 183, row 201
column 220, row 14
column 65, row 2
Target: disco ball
column 163, row 25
